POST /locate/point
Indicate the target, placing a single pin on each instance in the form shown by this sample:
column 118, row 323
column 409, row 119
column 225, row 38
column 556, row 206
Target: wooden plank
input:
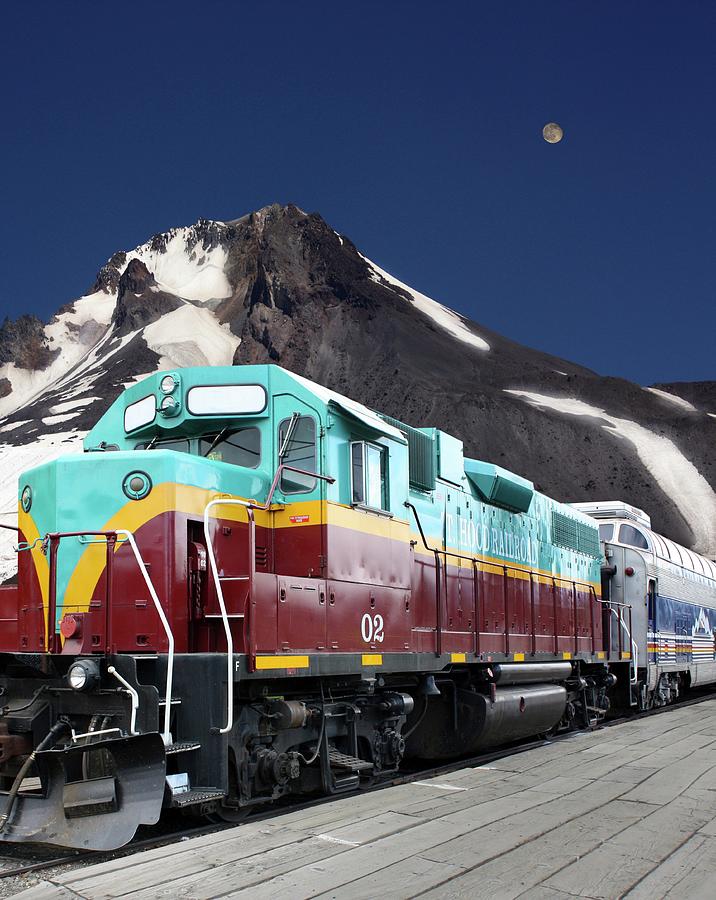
column 151, row 869
column 242, row 874
column 400, row 881
column 46, row 890
column 673, row 779
column 311, row 880
column 689, row 872
column 621, row 862
column 522, row 868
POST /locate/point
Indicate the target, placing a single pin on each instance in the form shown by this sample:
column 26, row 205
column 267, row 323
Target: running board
column 340, row 760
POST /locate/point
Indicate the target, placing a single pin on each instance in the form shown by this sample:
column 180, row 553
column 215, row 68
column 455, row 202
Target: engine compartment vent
column 421, row 451
column 575, row 535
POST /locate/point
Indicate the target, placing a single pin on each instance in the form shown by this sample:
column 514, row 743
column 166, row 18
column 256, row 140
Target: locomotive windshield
column 606, row 531
column 180, row 445
column 631, row 536
column 241, row 447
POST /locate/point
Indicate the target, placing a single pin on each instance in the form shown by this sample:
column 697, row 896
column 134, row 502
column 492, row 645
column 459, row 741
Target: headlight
column 167, row 384
column 83, row 675
column 169, row 406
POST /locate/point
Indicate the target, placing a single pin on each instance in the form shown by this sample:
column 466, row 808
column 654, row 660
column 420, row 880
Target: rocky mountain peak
column 24, row 344
column 140, row 301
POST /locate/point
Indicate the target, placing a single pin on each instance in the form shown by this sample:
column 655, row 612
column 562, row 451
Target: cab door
column 298, row 525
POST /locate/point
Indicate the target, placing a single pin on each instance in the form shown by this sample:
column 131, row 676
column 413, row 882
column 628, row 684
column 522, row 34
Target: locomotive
column 250, row 587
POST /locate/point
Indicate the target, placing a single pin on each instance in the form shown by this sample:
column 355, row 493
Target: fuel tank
column 462, row 721
column 531, row 673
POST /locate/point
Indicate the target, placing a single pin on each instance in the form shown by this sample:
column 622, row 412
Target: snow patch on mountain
column 63, row 417
column 677, row 476
column 72, row 404
column 672, row 398
column 185, row 268
column 190, row 336
column 444, row 317
column 11, row 426
column 15, row 461
column 74, row 333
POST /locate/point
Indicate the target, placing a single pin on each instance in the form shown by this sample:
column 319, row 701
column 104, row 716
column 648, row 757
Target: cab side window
column 369, row 478
column 297, row 448
column 633, row 537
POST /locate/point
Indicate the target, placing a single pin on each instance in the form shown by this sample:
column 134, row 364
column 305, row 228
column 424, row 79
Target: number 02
column 371, row 628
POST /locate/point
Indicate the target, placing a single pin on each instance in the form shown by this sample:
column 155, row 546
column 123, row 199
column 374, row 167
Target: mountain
column 280, row 285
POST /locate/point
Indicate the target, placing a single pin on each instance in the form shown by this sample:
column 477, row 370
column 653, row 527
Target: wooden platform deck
column 629, row 811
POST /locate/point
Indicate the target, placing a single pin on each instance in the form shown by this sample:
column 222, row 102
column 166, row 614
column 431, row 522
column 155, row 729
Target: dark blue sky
column 412, row 127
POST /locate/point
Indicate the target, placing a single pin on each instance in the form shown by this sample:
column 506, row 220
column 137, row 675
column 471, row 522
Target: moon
column 552, row 133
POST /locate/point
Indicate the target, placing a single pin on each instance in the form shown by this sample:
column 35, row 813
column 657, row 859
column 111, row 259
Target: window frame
column 286, row 421
column 160, row 445
column 227, row 436
column 638, row 531
column 224, row 414
column 385, row 475
column 144, row 423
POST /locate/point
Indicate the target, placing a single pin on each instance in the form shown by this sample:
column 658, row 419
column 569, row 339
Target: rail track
column 13, row 853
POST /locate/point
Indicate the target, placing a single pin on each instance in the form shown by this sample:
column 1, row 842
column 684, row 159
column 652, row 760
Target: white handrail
column 634, row 675
column 133, row 693
column 166, row 734
column 224, row 501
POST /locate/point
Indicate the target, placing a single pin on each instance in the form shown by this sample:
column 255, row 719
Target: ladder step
column 182, row 747
column 175, row 701
column 228, row 616
column 196, row 796
column 340, row 760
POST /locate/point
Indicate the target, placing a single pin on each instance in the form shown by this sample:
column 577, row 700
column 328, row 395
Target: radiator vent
column 421, row 451
column 261, row 557
column 576, row 535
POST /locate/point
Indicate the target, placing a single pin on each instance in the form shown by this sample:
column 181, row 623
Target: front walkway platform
column 626, row 811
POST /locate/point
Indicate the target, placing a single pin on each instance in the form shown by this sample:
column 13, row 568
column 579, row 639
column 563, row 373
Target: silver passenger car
column 672, row 594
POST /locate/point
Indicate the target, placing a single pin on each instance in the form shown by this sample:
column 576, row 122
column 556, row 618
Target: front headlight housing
column 168, row 384
column 169, row 406
column 83, row 675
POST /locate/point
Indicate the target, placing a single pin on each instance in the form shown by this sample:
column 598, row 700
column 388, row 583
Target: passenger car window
column 240, row 448
column 606, row 531
column 633, row 537
column 297, row 440
column 369, row 483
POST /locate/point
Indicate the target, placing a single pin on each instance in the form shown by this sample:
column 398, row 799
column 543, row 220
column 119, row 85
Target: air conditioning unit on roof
column 614, row 509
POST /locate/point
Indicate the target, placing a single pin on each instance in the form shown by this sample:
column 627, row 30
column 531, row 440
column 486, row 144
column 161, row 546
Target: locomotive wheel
column 232, row 813
column 229, row 814
column 97, row 764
